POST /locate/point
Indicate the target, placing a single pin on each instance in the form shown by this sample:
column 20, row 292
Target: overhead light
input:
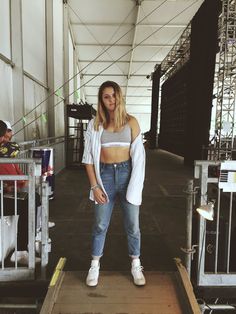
column 206, row 211
column 149, row 76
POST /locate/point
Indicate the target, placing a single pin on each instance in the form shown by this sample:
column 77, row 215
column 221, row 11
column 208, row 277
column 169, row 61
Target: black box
column 81, row 112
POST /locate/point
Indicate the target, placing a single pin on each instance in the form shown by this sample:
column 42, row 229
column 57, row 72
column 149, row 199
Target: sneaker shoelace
column 138, row 270
column 93, row 270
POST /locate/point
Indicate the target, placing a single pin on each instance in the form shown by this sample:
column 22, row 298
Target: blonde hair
column 102, row 117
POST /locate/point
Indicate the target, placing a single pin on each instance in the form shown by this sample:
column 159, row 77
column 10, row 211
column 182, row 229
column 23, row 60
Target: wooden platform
column 116, row 293
column 164, row 293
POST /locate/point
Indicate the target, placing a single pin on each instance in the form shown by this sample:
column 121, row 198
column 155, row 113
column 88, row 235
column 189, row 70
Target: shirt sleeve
column 12, row 169
column 87, row 155
column 135, row 186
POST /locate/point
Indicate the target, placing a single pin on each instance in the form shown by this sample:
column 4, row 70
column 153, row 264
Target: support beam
column 6, row 60
column 120, row 61
column 50, row 67
column 133, row 46
column 66, row 69
column 32, row 78
column 123, row 45
column 131, row 25
column 18, row 72
column 226, row 82
column 130, row 86
column 66, row 52
column 75, row 65
column 114, row 74
column 155, row 104
column 75, row 80
column 125, row 95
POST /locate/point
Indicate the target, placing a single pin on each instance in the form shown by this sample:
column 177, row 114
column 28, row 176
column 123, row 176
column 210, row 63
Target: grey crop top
column 121, row 138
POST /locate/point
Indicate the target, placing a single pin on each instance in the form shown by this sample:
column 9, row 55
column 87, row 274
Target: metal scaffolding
column 226, row 81
column 178, row 55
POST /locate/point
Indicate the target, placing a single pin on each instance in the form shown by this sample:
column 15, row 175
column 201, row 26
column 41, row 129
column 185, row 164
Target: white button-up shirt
column 92, row 151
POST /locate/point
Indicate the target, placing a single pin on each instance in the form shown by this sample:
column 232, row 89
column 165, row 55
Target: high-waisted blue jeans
column 115, row 178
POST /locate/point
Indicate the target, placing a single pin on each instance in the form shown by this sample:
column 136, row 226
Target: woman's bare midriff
column 110, row 155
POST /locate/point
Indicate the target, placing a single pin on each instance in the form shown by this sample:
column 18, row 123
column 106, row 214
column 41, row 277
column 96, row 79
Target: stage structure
column 226, row 82
column 204, row 62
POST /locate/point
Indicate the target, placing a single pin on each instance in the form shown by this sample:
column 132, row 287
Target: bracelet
column 94, row 187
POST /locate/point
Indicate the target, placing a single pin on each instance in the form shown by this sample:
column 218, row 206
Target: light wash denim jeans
column 115, row 178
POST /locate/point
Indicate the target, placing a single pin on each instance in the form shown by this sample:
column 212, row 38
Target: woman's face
column 109, row 98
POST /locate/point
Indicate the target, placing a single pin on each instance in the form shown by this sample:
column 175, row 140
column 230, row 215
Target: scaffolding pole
column 226, row 81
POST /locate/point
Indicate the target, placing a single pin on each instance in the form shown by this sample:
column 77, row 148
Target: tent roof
column 123, row 40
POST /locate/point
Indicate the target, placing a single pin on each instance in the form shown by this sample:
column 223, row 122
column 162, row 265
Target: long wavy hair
column 120, row 115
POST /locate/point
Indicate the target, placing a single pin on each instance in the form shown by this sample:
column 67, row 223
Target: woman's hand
column 99, row 196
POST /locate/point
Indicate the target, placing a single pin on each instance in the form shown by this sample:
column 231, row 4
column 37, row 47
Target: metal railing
column 57, row 143
column 9, row 226
column 42, row 142
column 215, row 238
column 211, row 152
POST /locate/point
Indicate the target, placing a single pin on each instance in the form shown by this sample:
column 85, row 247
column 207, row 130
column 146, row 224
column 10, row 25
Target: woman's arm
column 99, row 195
column 91, row 175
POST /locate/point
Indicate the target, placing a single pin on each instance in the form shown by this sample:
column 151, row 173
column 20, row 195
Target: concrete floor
column 162, row 218
column 162, row 221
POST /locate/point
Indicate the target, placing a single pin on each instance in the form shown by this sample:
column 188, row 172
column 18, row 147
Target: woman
column 115, row 162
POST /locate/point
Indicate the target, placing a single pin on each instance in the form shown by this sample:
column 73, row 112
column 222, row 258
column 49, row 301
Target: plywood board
column 116, row 294
column 106, row 279
column 117, row 309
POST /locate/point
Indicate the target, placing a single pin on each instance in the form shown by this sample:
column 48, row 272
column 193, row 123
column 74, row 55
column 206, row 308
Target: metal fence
column 215, row 258
column 57, row 143
column 9, row 223
column 212, row 152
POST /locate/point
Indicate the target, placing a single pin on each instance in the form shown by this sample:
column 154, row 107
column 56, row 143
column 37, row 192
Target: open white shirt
column 92, row 151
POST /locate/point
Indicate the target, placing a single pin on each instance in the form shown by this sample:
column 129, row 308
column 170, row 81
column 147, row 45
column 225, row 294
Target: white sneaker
column 137, row 272
column 39, row 237
column 38, row 246
column 93, row 274
column 22, row 258
column 51, row 224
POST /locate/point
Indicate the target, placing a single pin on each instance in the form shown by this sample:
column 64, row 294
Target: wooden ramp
column 115, row 294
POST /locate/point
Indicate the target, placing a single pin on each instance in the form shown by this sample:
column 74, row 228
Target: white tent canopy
column 103, row 40
column 123, row 41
